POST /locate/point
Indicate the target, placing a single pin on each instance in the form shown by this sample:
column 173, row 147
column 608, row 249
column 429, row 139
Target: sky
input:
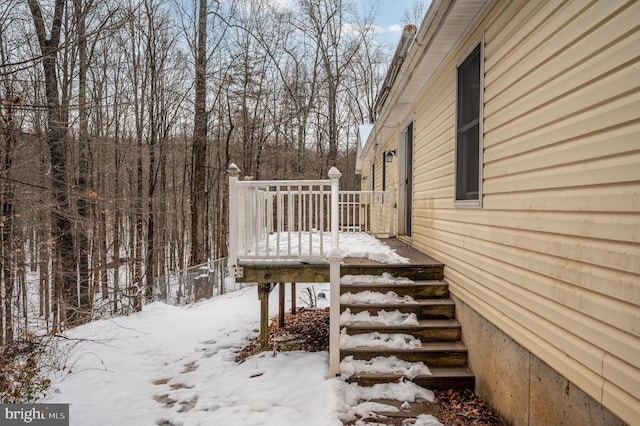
column 390, row 16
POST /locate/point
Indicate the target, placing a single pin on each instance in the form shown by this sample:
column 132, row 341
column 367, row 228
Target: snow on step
column 375, row 306
column 383, row 318
column 385, row 278
column 382, row 364
column 359, row 402
column 378, row 340
column 373, row 297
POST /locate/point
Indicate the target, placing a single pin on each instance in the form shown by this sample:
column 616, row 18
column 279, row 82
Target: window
column 468, row 130
column 405, row 194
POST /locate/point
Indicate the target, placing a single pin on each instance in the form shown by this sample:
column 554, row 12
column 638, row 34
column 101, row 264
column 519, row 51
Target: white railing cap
column 270, row 183
column 233, row 169
column 334, row 173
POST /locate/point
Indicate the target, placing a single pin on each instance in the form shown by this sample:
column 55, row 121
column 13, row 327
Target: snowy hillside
column 175, row 365
column 171, row 365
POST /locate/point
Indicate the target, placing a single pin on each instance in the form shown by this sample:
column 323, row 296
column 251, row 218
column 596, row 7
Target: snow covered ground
column 171, row 365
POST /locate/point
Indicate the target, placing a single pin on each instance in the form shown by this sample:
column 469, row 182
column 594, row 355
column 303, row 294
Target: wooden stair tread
column 423, row 308
column 422, row 324
column 441, row 377
column 436, row 372
column 420, row 283
column 419, row 302
column 414, row 408
column 437, row 328
column 425, row 347
column 417, row 289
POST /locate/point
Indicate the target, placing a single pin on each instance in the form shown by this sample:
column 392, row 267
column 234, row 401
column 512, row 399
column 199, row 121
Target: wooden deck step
column 417, row 289
column 440, row 378
column 426, row 330
column 424, row 308
column 433, row 354
column 406, row 410
column 412, row 271
column 437, row 328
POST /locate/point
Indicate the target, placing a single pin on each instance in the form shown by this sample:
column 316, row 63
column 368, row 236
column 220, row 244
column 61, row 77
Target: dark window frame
column 468, row 145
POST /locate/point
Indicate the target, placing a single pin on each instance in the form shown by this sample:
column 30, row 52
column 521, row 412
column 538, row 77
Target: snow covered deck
column 363, row 254
column 308, row 231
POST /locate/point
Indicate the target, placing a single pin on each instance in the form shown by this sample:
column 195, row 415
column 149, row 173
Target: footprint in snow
column 188, row 405
column 165, row 400
column 189, row 367
column 175, row 386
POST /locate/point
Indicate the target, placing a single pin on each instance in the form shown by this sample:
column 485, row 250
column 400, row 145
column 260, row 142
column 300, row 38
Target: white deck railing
column 282, row 219
column 301, row 220
column 366, row 211
column 291, row 219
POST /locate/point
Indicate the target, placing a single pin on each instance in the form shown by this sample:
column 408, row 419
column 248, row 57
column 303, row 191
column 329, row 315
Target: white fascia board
column 444, row 25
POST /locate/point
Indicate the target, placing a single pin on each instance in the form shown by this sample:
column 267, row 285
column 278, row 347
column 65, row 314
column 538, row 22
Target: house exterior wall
column 391, row 170
column 552, row 258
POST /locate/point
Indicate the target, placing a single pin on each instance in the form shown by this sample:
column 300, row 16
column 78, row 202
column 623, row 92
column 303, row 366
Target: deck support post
column 281, row 312
column 293, row 298
column 263, row 295
column 334, row 259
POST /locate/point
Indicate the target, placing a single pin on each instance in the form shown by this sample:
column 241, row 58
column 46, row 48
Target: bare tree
column 7, row 228
column 326, row 25
column 129, row 126
column 199, row 149
column 414, row 14
column 82, row 238
column 49, row 42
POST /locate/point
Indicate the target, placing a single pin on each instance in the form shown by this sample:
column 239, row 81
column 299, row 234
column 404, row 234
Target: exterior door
column 405, row 190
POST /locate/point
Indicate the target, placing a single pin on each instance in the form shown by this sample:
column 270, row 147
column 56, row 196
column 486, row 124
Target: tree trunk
column 7, row 224
column 199, row 154
column 82, row 239
column 62, row 229
column 44, row 257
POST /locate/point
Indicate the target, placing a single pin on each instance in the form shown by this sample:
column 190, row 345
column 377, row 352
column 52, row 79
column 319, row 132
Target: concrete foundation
column 518, row 385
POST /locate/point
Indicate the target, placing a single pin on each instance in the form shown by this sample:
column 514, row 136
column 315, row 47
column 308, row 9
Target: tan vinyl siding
column 553, row 256
column 380, row 216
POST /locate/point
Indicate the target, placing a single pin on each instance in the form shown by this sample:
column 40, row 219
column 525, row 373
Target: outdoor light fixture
column 390, row 155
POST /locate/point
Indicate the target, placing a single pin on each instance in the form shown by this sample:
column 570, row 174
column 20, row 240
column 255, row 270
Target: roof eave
column 445, row 23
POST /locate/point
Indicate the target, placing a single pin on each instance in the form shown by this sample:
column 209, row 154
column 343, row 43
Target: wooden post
column 293, row 298
column 281, row 304
column 263, row 295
